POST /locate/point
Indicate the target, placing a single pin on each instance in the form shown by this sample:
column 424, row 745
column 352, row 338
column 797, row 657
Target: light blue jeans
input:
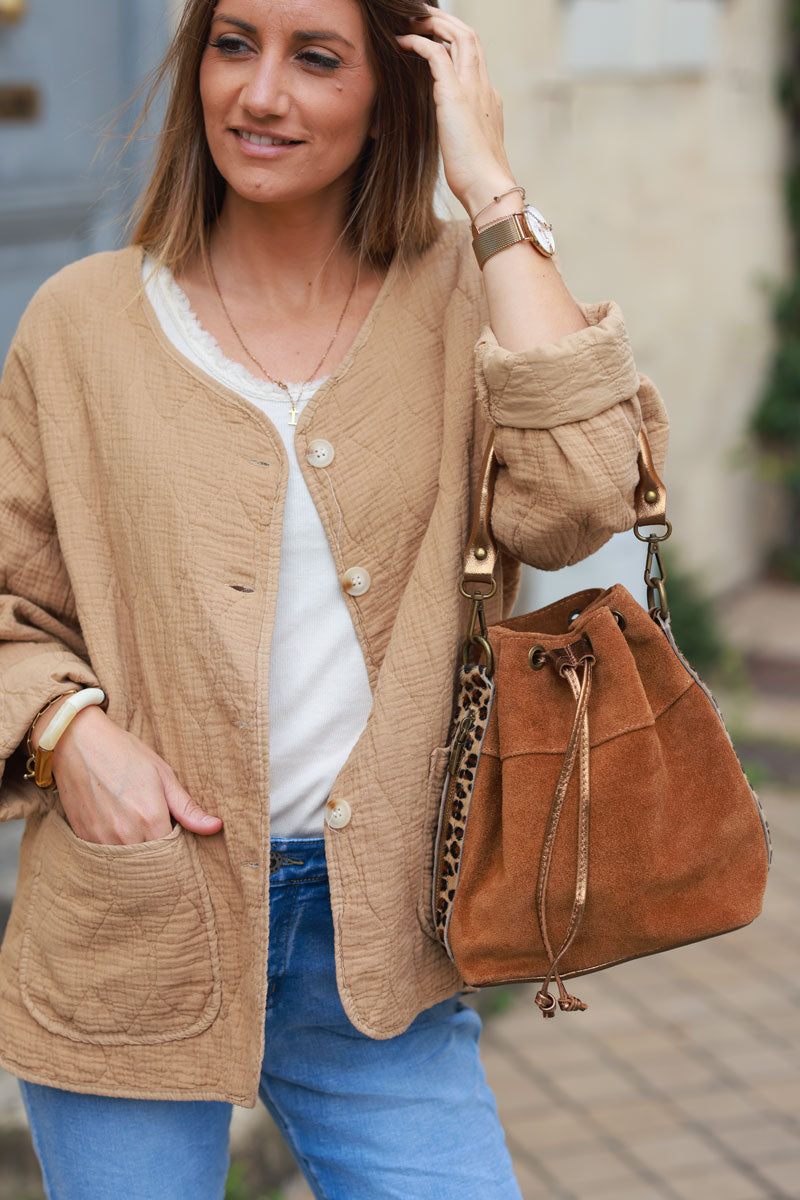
column 409, row 1118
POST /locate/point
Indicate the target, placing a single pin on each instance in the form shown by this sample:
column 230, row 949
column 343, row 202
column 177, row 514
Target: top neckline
column 385, row 291
column 392, row 292
column 208, row 349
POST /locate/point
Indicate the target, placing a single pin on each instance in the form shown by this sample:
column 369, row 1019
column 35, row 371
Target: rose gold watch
column 526, row 226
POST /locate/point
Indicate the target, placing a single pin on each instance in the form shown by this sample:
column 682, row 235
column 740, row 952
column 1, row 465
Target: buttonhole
column 237, row 587
column 259, row 462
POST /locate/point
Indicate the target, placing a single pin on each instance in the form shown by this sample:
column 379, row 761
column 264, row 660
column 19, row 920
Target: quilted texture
column 137, row 500
column 150, row 898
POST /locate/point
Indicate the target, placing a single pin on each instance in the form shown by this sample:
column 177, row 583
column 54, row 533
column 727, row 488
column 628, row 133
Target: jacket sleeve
column 566, row 419
column 42, row 651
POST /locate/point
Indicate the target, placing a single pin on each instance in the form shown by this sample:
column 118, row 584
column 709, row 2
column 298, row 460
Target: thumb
column 187, row 812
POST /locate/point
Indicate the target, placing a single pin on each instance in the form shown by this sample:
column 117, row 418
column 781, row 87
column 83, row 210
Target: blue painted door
column 83, row 59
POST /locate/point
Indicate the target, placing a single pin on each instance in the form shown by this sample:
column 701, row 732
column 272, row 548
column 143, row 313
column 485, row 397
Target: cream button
column 356, row 581
column 337, row 813
column 320, row 453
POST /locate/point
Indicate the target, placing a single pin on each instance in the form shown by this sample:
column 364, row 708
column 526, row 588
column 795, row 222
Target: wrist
column 91, row 715
column 48, row 727
column 44, row 720
column 500, row 209
column 481, row 196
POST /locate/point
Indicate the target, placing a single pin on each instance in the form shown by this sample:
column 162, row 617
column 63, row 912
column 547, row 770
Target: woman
column 235, row 491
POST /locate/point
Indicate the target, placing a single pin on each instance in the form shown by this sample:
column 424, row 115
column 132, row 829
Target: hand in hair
column 469, row 109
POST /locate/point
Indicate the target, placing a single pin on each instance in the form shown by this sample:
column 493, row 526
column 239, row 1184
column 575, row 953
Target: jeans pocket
column 119, row 945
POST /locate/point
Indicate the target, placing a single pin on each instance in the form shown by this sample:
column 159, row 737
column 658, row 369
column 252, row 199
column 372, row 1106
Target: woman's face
column 287, row 92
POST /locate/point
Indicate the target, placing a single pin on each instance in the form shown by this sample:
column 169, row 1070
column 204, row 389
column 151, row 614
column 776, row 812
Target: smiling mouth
column 258, row 139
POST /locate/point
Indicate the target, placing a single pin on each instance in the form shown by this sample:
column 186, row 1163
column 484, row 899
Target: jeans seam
column 299, row 881
column 280, row 956
column 291, row 1141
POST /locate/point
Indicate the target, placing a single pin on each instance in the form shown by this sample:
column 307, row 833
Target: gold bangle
column 30, row 773
column 495, row 200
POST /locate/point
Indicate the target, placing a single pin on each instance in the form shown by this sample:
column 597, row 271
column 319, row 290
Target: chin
column 278, row 192
column 273, row 186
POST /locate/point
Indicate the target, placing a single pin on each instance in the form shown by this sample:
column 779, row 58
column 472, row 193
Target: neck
column 287, row 254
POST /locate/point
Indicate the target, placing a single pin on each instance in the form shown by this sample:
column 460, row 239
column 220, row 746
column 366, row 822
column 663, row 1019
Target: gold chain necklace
column 279, row 382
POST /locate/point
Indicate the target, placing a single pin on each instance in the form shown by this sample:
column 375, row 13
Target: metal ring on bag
column 537, row 657
column 478, row 595
column 482, row 644
column 653, row 537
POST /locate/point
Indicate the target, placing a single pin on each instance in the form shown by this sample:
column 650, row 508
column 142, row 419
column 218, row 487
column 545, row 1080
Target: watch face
column 540, row 231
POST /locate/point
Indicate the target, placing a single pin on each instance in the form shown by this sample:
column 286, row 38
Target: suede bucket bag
column 593, row 809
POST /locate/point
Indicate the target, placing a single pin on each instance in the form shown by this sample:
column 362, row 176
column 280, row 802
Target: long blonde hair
column 391, row 208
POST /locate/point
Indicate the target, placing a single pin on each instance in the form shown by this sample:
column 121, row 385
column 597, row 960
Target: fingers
column 436, row 54
column 186, row 811
column 464, row 46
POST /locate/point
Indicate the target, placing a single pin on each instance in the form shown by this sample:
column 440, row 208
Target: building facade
column 646, row 130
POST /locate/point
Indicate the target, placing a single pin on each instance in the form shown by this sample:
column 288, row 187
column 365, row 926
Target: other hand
column 115, row 790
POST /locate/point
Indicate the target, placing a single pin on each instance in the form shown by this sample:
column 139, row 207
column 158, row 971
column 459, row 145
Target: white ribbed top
column 319, row 693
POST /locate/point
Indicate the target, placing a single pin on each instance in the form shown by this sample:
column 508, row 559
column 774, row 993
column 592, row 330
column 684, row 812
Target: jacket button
column 320, row 453
column 356, row 581
column 337, row 813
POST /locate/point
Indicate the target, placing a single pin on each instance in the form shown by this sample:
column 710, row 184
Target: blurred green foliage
column 502, row 1000
column 237, row 1187
column 693, row 619
column 776, row 421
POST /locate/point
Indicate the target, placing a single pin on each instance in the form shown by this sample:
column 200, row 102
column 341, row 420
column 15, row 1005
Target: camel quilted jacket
column 140, row 522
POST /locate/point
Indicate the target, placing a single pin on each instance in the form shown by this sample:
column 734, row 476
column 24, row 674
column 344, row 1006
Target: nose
column 266, row 91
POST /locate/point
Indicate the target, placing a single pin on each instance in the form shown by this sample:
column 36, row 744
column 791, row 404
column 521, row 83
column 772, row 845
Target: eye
column 230, row 45
column 321, row 61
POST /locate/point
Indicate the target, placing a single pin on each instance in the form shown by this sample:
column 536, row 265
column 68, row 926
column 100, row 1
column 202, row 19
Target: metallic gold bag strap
column 480, row 558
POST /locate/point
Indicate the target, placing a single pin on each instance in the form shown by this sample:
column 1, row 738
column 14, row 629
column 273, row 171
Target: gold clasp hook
column 656, row 580
column 477, row 615
column 480, row 640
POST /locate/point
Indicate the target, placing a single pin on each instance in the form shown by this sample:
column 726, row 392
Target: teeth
column 259, row 140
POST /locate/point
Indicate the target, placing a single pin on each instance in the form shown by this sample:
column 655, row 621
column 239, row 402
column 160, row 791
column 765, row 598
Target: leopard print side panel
column 471, row 718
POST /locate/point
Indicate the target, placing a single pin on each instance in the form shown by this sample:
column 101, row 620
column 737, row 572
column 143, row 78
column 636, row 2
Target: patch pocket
column 119, row 945
column 433, row 803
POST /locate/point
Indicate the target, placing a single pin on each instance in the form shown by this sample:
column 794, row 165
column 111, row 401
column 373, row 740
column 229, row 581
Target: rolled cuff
column 573, row 379
column 30, row 678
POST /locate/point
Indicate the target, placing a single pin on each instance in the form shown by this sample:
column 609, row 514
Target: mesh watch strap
column 499, row 236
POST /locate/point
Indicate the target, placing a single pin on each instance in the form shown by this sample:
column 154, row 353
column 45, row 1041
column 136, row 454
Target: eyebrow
column 299, row 35
column 320, row 35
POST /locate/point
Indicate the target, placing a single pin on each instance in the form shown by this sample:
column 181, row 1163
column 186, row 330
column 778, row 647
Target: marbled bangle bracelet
column 43, row 764
column 68, row 710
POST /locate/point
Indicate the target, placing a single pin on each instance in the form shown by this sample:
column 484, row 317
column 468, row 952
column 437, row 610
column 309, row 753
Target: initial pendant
column 293, row 416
